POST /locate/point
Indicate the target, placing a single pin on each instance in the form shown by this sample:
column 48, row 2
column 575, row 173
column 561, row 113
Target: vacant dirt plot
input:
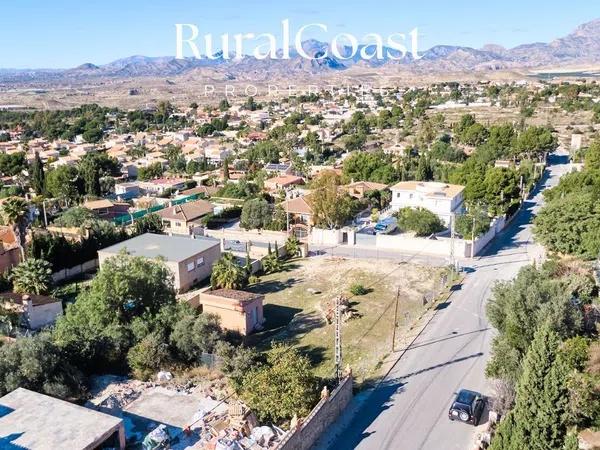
column 295, row 299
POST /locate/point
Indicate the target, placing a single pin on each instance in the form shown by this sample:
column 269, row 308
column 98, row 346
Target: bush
column 419, row 220
column 148, row 355
column 281, row 388
column 194, row 335
column 36, row 363
column 236, row 362
column 358, row 289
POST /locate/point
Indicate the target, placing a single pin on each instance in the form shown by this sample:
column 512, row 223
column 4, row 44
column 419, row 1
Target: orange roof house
column 283, row 182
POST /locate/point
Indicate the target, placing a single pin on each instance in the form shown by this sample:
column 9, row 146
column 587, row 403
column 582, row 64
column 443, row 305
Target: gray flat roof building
column 171, row 248
column 189, row 259
column 38, row 422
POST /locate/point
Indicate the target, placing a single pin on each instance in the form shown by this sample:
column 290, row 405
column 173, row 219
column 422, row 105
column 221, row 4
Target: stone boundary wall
column 304, row 436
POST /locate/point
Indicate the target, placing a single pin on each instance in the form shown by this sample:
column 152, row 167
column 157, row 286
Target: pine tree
column 276, row 250
column 38, row 178
column 269, row 251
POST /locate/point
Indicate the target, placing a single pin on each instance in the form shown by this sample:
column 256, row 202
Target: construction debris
column 327, row 308
column 182, row 416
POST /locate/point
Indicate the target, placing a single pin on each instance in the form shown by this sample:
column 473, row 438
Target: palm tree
column 227, row 274
column 33, row 276
column 13, row 212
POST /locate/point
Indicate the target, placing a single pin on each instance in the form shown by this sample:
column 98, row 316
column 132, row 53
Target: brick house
column 239, row 311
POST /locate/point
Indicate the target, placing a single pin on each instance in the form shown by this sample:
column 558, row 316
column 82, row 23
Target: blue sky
column 66, row 33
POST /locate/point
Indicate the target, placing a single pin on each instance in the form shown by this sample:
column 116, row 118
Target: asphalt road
column 408, row 410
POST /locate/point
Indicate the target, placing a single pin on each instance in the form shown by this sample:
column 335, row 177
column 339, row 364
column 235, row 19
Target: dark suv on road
column 467, row 407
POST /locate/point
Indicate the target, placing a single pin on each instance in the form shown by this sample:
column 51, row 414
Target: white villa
column 440, row 198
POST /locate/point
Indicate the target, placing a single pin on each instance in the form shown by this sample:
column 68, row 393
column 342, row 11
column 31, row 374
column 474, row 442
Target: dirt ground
column 296, row 297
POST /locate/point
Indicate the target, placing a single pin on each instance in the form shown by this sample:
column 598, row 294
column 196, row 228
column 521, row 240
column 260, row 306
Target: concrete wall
column 43, row 315
column 250, row 235
column 72, row 272
column 319, row 236
column 320, row 418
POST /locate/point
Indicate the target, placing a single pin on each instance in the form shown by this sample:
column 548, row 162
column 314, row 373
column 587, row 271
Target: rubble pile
column 327, row 308
column 230, row 426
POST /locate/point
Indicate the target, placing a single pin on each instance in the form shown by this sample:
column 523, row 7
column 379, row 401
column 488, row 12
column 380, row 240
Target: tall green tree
column 38, row 178
column 518, row 307
column 96, row 329
column 570, row 225
column 257, row 213
column 331, row 207
column 538, row 420
column 62, row 183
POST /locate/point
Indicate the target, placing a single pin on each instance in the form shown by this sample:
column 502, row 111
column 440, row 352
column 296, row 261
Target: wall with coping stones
column 320, row 418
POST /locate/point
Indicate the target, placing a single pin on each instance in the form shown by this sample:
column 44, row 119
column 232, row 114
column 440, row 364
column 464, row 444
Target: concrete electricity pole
column 338, row 339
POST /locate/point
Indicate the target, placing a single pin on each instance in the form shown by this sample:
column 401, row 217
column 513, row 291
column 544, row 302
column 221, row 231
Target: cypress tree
column 38, row 178
column 538, row 420
column 226, row 169
column 248, row 267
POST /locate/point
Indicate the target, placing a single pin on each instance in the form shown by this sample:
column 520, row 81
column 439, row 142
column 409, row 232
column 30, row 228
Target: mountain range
column 581, row 47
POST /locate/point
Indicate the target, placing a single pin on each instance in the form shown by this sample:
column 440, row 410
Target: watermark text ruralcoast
column 342, row 46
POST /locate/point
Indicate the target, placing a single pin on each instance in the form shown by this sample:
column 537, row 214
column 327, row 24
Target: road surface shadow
column 454, row 336
column 378, row 401
column 437, row 366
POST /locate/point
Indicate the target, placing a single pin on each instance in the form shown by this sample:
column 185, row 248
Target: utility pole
column 338, row 339
column 287, row 218
column 395, row 319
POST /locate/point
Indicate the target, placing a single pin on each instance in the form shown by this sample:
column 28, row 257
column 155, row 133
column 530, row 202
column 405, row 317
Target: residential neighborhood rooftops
column 101, row 204
column 167, row 181
column 432, row 189
column 187, row 211
column 284, row 180
column 298, row 205
column 39, row 422
column 206, row 190
column 172, row 248
column 367, row 185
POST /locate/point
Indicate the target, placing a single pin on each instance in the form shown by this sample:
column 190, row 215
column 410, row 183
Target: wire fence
column 124, row 219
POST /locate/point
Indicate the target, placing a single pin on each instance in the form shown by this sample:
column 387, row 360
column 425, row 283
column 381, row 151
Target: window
column 190, row 266
column 200, row 262
column 177, row 224
column 398, row 195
